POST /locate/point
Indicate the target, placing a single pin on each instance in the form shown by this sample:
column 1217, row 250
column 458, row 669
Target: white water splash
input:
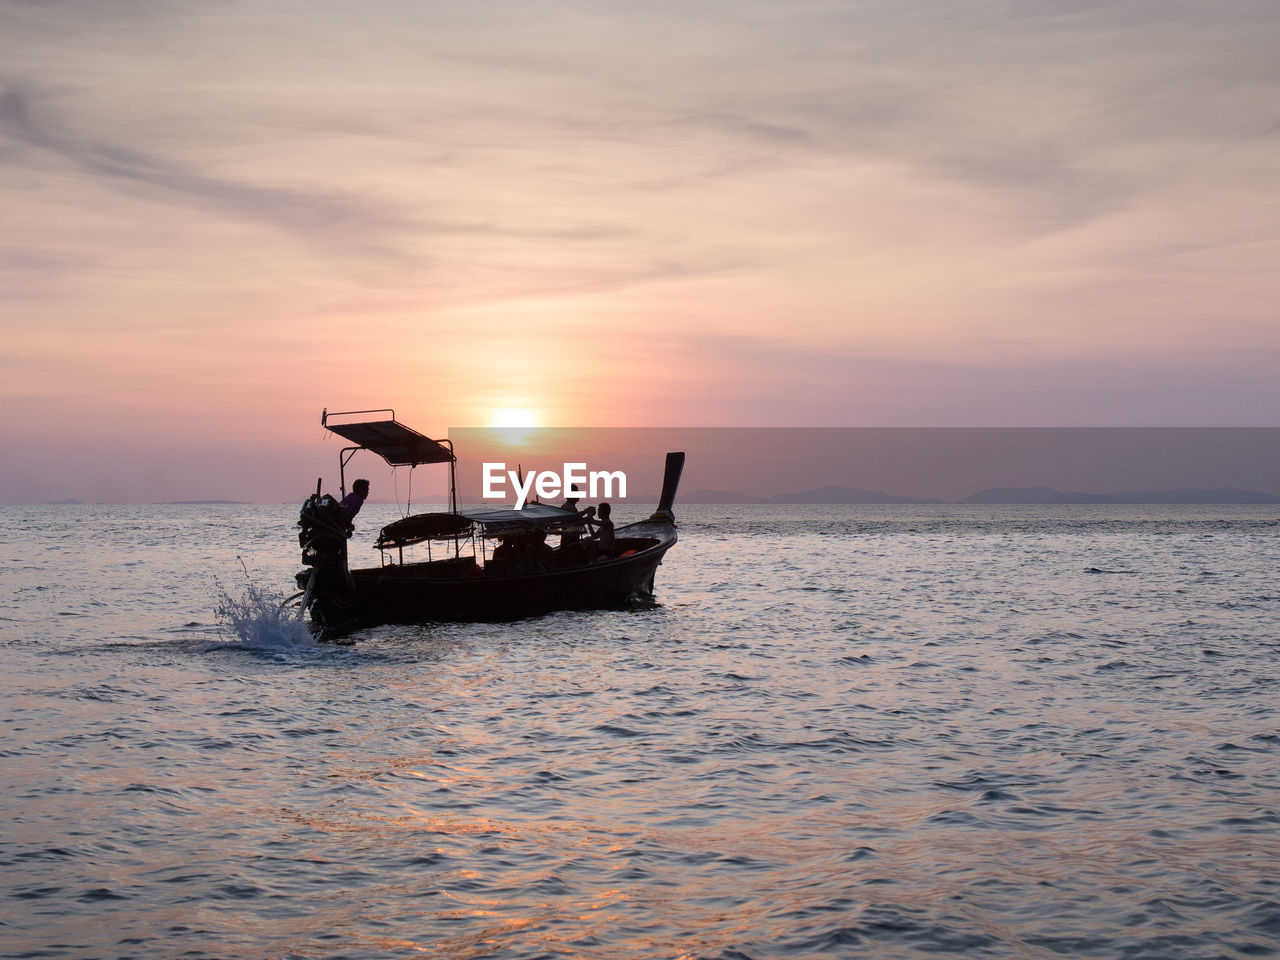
column 257, row 618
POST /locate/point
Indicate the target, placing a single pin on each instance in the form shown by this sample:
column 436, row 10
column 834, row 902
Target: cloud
column 1062, row 117
column 840, row 198
column 21, row 120
column 766, row 381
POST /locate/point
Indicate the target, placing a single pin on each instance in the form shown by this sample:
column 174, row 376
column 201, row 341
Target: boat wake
column 257, row 619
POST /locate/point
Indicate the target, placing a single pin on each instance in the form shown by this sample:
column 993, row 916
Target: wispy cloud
column 22, row 120
column 804, row 210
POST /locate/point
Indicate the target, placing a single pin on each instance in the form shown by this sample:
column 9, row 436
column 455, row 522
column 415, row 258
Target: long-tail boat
column 480, row 564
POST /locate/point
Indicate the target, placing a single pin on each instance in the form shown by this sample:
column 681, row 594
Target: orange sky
column 220, row 218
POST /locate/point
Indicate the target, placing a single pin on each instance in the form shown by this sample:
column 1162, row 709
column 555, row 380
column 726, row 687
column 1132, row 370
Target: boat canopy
column 493, row 522
column 506, row 521
column 394, row 442
column 420, row 527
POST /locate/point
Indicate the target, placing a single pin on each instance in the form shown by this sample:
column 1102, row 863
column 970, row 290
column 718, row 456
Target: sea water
column 842, row 732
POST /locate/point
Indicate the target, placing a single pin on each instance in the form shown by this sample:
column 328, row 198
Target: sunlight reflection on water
column 888, row 732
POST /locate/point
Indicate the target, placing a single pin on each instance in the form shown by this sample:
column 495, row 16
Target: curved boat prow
column 670, row 483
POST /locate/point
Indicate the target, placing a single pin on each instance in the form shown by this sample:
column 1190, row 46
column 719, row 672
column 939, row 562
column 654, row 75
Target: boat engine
column 329, row 590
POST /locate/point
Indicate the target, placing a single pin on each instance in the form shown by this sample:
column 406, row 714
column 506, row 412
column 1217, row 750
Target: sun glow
column 519, row 417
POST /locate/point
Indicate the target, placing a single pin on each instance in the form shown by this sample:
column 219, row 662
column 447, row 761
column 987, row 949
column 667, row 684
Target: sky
column 942, row 463
column 217, row 219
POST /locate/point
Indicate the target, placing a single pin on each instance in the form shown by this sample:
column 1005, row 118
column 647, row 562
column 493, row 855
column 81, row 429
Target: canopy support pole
column 343, row 459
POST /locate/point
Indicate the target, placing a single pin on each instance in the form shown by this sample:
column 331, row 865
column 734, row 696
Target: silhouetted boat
column 461, row 578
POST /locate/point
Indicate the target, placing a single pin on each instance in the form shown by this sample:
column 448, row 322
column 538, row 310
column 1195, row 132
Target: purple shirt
column 352, row 503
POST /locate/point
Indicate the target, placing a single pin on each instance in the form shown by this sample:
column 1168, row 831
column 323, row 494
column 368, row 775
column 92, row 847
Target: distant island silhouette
column 1050, row 495
column 202, row 503
column 997, row 495
column 827, row 494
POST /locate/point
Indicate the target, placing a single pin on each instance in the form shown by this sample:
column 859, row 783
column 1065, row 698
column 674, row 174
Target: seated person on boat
column 524, row 552
column 537, row 552
column 572, row 552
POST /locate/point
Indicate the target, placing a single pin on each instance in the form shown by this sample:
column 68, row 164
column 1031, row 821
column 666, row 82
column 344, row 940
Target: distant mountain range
column 838, row 494
column 1050, row 495
column 827, row 494
column 204, row 503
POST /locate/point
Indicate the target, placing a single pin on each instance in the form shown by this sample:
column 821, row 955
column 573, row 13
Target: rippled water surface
column 844, row 732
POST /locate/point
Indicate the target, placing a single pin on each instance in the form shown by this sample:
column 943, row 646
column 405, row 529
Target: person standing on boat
column 354, row 500
column 603, row 540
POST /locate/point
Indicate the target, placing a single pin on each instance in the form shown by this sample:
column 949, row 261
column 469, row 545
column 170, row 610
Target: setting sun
column 513, row 417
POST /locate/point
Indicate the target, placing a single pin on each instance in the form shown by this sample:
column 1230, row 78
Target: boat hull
column 415, row 593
